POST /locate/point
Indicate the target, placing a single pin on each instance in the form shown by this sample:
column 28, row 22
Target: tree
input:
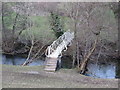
column 91, row 21
column 13, row 23
column 73, row 11
column 56, row 24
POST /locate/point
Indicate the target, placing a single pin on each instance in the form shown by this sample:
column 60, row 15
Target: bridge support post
column 59, row 63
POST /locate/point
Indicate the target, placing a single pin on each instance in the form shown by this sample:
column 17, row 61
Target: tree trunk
column 29, row 53
column 74, row 59
column 13, row 33
column 75, row 40
column 84, row 62
column 78, row 54
column 3, row 25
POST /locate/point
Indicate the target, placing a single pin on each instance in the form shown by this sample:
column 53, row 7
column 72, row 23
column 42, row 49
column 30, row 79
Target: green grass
column 41, row 28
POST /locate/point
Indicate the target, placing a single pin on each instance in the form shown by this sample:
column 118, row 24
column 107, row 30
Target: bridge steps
column 51, row 65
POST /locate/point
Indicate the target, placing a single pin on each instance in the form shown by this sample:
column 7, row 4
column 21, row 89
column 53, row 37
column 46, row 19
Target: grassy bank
column 36, row 77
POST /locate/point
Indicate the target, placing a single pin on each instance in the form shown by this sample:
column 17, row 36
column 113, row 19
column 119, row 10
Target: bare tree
column 89, row 22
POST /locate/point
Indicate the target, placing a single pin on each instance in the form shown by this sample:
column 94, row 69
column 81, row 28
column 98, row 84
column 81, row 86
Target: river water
column 18, row 60
column 96, row 70
column 106, row 70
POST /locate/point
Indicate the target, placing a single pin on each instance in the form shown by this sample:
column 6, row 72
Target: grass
column 41, row 28
column 26, row 77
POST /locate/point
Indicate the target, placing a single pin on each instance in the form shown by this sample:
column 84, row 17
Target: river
column 96, row 70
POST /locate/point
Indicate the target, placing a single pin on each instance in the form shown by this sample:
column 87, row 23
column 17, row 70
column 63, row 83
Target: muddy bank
column 36, row 77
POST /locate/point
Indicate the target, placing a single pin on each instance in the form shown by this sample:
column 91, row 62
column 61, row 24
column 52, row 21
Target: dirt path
column 36, row 77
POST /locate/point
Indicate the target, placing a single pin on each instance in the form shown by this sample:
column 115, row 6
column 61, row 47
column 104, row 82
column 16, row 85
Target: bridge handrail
column 66, row 37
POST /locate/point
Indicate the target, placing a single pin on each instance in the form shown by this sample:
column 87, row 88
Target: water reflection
column 107, row 70
column 17, row 60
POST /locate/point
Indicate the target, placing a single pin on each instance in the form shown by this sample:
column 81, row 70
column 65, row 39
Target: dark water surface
column 96, row 70
column 18, row 60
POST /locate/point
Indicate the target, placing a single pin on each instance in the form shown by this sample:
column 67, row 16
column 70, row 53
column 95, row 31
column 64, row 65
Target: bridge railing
column 66, row 38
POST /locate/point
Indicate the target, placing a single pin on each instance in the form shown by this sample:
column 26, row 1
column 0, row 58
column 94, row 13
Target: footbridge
column 54, row 51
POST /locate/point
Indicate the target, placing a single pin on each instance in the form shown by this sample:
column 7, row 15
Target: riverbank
column 36, row 77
